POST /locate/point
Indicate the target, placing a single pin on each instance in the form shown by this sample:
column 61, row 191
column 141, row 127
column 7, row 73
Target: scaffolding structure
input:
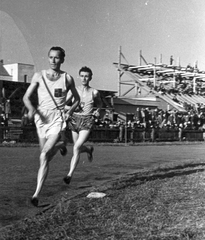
column 150, row 77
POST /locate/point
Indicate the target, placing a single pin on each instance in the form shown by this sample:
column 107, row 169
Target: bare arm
column 74, row 94
column 26, row 98
column 69, row 99
column 98, row 102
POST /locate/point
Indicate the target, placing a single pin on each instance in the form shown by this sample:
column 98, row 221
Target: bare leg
column 48, row 150
column 63, row 143
column 42, row 173
column 83, row 149
column 79, row 139
column 89, row 151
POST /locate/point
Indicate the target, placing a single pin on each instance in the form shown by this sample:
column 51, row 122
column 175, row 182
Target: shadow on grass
column 159, row 173
column 185, row 165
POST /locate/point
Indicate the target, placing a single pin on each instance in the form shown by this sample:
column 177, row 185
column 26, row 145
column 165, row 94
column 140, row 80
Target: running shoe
column 34, row 201
column 67, row 179
column 90, row 154
column 63, row 150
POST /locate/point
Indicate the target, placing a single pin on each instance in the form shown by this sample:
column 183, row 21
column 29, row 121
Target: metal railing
column 28, row 135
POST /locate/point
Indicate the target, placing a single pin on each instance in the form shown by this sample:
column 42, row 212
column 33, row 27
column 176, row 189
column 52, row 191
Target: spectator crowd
column 145, row 118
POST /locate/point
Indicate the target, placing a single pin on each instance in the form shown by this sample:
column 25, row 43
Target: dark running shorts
column 79, row 122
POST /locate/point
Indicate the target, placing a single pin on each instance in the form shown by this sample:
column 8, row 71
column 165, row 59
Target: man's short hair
column 86, row 69
column 61, row 50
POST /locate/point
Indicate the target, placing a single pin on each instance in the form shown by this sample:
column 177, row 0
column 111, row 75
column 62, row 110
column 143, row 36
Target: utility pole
column 155, row 62
column 1, row 131
column 1, row 85
column 119, row 73
column 160, row 58
column 140, row 58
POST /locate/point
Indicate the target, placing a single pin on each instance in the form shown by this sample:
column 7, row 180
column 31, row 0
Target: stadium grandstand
column 178, row 88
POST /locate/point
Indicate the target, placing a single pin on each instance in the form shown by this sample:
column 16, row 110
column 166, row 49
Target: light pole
column 1, row 131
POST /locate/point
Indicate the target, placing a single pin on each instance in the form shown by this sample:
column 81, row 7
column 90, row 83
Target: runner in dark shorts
column 82, row 120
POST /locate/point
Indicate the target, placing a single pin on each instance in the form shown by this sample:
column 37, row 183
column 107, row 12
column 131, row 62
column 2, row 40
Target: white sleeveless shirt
column 57, row 89
column 86, row 102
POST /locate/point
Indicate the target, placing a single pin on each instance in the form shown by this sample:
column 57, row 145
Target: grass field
column 163, row 202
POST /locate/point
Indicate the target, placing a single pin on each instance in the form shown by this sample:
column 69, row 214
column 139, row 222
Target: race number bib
column 58, row 92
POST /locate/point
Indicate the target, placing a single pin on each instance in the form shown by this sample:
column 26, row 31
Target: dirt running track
column 19, row 168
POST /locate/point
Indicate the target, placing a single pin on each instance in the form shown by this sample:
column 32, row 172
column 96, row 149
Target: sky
column 91, row 32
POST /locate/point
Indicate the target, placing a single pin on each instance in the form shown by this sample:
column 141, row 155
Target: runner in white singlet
column 52, row 86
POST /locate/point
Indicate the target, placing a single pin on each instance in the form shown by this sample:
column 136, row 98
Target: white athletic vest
column 86, row 102
column 57, row 89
